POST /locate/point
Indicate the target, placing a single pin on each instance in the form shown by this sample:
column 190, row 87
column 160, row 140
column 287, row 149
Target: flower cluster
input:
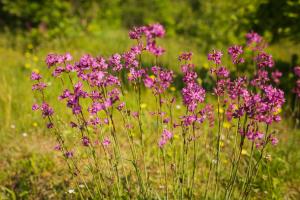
column 165, row 137
column 151, row 32
column 53, row 59
column 296, row 89
column 192, row 93
column 215, row 56
column 160, row 81
column 276, row 75
column 264, row 60
column 73, row 98
column 255, row 41
column 185, row 56
column 253, row 37
column 46, row 110
column 235, row 52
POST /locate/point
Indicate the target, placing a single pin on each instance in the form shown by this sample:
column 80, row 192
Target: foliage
column 279, row 18
column 66, row 17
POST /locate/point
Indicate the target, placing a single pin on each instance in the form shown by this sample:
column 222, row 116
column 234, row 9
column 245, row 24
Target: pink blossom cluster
column 296, row 89
column 165, row 137
column 96, row 80
column 151, row 32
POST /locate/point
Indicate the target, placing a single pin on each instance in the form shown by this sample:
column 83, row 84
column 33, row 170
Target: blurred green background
column 30, row 29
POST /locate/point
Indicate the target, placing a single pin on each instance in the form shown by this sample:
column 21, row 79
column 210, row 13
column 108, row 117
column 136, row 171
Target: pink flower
column 274, row 140
column 165, row 137
column 115, row 62
column 106, row 142
column 253, row 37
column 85, row 141
column 50, row 125
column 39, row 86
column 215, row 56
column 297, row 71
column 46, row 110
column 35, row 106
column 264, row 60
column 57, row 147
column 185, row 56
column 276, row 75
column 35, row 76
column 149, row 82
column 121, row 106
column 235, row 51
column 69, row 154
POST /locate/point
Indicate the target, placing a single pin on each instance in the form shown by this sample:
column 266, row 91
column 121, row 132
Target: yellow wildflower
column 277, row 111
column 226, row 125
column 176, row 136
column 206, row 66
column 152, row 77
column 27, row 54
column 35, row 58
column 244, row 152
column 27, row 65
column 36, row 70
column 221, row 144
column 143, row 105
column 221, row 110
column 172, row 89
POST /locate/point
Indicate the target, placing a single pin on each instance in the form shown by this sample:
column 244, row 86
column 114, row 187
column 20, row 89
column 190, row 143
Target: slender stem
column 165, row 173
column 218, row 149
column 134, row 156
column 255, row 167
column 236, row 165
column 249, row 166
column 208, row 180
column 194, row 160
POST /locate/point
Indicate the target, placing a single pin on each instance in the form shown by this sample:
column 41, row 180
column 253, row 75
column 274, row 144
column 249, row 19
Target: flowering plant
column 120, row 139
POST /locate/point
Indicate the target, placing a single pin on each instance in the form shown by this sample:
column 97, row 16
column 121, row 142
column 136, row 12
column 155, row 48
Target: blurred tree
column 32, row 13
column 208, row 23
column 280, row 18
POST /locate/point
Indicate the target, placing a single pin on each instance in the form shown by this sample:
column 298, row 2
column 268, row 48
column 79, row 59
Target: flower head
column 215, row 56
column 115, row 62
column 185, row 56
column 35, row 76
column 253, row 37
column 165, row 137
column 264, row 60
column 235, row 51
column 106, row 142
column 297, row 71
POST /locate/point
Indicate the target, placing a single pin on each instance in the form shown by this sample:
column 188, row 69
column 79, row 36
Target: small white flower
column 24, row 134
column 12, row 126
column 214, row 161
column 71, row 191
column 178, row 107
column 81, row 185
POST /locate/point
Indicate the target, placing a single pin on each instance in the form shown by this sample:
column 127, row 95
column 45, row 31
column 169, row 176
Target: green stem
column 255, row 168
column 165, row 173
